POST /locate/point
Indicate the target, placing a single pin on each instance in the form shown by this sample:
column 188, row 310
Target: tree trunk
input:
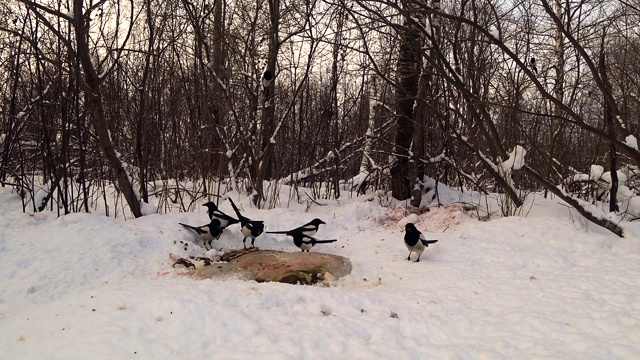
column 557, row 127
column 608, row 120
column 94, row 102
column 262, row 166
column 142, row 151
column 425, row 109
column 408, row 73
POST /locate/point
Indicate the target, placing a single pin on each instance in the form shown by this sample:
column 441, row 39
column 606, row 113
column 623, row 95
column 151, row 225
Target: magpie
column 415, row 241
column 533, row 65
column 215, row 213
column 267, row 77
column 306, row 242
column 250, row 228
column 308, row 229
column 207, row 233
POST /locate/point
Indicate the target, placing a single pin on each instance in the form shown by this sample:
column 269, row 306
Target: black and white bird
column 305, row 242
column 532, row 62
column 207, row 233
column 250, row 228
column 308, row 229
column 415, row 241
column 267, row 77
column 215, row 213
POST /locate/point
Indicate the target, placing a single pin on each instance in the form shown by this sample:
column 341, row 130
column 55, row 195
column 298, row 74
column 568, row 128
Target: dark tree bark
column 608, row 120
column 143, row 109
column 262, row 165
column 95, row 103
column 426, row 114
column 408, row 73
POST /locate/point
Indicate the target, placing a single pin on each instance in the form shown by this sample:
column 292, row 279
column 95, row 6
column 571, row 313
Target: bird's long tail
column 325, row 241
column 277, row 232
column 189, row 227
column 427, row 242
column 235, row 208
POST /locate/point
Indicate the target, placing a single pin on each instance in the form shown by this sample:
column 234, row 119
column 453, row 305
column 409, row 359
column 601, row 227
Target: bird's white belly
column 418, row 248
column 245, row 231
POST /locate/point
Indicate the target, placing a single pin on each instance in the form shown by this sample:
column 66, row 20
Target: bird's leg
column 252, row 240
column 409, row 257
column 418, row 258
column 244, row 243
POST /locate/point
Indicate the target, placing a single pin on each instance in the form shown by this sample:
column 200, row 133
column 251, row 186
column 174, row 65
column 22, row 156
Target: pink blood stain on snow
column 429, row 219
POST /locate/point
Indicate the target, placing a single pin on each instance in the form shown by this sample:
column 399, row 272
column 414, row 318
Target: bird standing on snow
column 207, row 233
column 308, row 229
column 250, row 228
column 415, row 241
column 305, row 242
column 215, row 213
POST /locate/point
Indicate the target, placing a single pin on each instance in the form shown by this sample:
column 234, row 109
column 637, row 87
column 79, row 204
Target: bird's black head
column 257, row 227
column 210, row 205
column 214, row 228
column 316, row 222
column 410, row 227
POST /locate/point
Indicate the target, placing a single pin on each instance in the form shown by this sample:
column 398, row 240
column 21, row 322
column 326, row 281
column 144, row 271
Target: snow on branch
column 586, row 209
column 319, row 166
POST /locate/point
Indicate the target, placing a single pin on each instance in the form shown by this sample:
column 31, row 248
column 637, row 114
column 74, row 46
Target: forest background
column 187, row 100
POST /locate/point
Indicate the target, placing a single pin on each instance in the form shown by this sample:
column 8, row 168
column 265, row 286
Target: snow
column 548, row 285
column 356, row 181
column 622, row 124
column 632, row 142
column 515, row 160
column 411, row 218
column 494, row 32
column 580, row 177
column 596, row 172
column 146, row 208
column 622, row 177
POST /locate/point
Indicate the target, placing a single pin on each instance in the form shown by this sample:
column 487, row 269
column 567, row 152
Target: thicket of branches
column 332, row 95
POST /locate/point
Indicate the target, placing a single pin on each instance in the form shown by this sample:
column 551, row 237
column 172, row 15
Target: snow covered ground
column 543, row 286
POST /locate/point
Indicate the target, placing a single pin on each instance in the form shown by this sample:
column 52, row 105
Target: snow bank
column 545, row 286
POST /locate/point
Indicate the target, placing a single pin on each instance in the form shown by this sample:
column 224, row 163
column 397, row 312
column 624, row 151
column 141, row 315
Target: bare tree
column 408, row 73
column 80, row 19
